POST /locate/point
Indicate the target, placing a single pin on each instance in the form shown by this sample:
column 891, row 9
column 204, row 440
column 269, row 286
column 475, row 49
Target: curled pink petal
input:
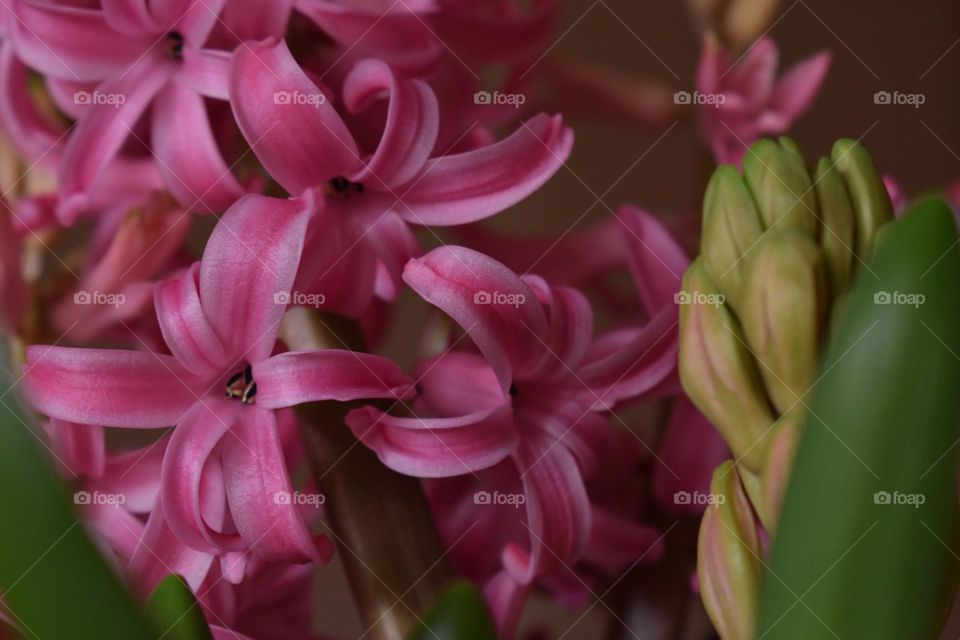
column 287, row 119
column 796, row 90
column 107, row 387
column 185, row 326
column 129, row 16
column 296, row 377
column 465, row 187
column 437, row 447
column 80, row 446
column 257, row 484
column 248, row 266
column 495, row 307
column 656, row 259
column 206, row 72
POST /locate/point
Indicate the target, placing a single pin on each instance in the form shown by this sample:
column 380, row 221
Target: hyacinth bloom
column 359, row 243
column 220, row 385
column 108, row 65
column 535, row 393
column 745, row 100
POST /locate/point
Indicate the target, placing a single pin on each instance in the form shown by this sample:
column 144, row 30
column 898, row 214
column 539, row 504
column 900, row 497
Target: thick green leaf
column 459, row 614
column 175, row 613
column 862, row 545
column 52, row 577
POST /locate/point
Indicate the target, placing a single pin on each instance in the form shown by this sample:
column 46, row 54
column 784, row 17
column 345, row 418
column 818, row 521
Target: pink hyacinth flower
column 109, row 65
column 748, row 100
column 535, row 394
column 220, row 321
column 358, row 246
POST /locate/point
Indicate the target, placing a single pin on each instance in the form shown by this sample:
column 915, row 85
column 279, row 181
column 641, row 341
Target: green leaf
column 52, row 577
column 175, row 613
column 863, row 544
column 459, row 614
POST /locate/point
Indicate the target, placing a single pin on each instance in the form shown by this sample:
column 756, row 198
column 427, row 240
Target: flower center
column 241, row 386
column 340, row 187
column 175, row 45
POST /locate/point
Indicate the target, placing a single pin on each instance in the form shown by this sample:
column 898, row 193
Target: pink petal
column 410, row 130
column 290, row 125
column 490, row 31
column 617, row 543
column 193, row 19
column 571, row 326
column 187, row 152
column 255, row 19
column 72, row 43
column 80, row 446
column 257, row 478
column 637, row 365
column 107, row 387
column 185, row 327
column 442, row 398
column 186, row 487
column 394, row 244
column 753, row 76
column 495, row 307
column 798, row 87
column 295, row 377
column 103, row 129
column 437, row 447
column 558, row 509
column 250, row 259
column 206, row 71
column 161, row 553
column 656, row 259
column 22, row 120
column 466, row 187
column 131, row 17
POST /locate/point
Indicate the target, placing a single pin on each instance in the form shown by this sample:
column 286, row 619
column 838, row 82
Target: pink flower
column 220, row 386
column 359, row 244
column 536, row 394
column 744, row 100
column 107, row 66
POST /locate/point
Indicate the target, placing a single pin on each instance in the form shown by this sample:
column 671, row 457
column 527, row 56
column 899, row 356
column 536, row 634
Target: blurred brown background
column 883, row 45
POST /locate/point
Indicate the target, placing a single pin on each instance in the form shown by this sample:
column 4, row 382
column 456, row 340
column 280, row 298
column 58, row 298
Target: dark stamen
column 175, row 45
column 340, row 187
column 513, row 390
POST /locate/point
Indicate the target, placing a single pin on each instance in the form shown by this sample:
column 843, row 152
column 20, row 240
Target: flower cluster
column 192, row 170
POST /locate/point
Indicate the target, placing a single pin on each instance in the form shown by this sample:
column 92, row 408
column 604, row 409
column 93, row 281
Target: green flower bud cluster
column 779, row 249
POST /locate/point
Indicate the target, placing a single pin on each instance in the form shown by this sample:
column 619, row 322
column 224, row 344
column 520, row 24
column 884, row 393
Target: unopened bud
column 779, row 464
column 871, row 202
column 719, row 373
column 781, row 187
column 837, row 238
column 785, row 301
column 728, row 557
column 731, row 226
